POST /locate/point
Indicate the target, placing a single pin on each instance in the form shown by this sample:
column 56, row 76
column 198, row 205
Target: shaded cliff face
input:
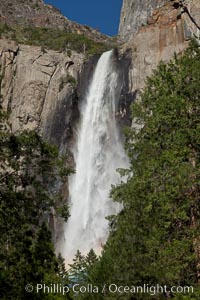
column 166, row 30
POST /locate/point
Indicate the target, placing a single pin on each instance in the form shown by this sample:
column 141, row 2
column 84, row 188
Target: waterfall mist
column 99, row 153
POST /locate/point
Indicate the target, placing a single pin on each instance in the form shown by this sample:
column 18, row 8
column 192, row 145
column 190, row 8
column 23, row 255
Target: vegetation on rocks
column 67, row 79
column 56, row 39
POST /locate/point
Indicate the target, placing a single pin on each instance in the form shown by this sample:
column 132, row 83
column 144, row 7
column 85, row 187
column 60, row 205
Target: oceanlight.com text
column 150, row 289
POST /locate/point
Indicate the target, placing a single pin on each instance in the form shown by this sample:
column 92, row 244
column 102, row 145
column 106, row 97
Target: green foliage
column 29, row 171
column 79, row 271
column 67, row 79
column 56, row 39
column 154, row 239
column 3, row 29
column 63, row 211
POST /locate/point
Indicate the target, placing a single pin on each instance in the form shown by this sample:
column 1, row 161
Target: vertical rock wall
column 134, row 14
column 39, row 88
column 159, row 29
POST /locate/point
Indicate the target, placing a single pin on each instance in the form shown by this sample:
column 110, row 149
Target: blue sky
column 101, row 14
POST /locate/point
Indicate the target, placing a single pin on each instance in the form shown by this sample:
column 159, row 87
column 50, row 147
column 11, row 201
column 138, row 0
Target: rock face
column 39, row 89
column 167, row 29
column 134, row 14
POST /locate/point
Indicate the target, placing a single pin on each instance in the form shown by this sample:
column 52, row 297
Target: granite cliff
column 39, row 89
column 134, row 14
column 153, row 31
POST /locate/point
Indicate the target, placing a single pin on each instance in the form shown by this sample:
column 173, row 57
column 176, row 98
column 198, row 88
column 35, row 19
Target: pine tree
column 77, row 270
column 90, row 260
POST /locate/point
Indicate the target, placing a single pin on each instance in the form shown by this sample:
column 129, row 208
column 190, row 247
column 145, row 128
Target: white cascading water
column 99, row 153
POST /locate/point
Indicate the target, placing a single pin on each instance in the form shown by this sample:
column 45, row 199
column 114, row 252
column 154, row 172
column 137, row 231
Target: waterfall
column 99, row 153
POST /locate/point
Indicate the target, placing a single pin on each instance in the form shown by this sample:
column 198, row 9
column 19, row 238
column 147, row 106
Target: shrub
column 54, row 39
column 68, row 79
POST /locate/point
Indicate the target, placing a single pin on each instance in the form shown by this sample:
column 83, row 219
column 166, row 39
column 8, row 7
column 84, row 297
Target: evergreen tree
column 90, row 260
column 62, row 269
column 77, row 270
column 29, row 172
column 80, row 273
